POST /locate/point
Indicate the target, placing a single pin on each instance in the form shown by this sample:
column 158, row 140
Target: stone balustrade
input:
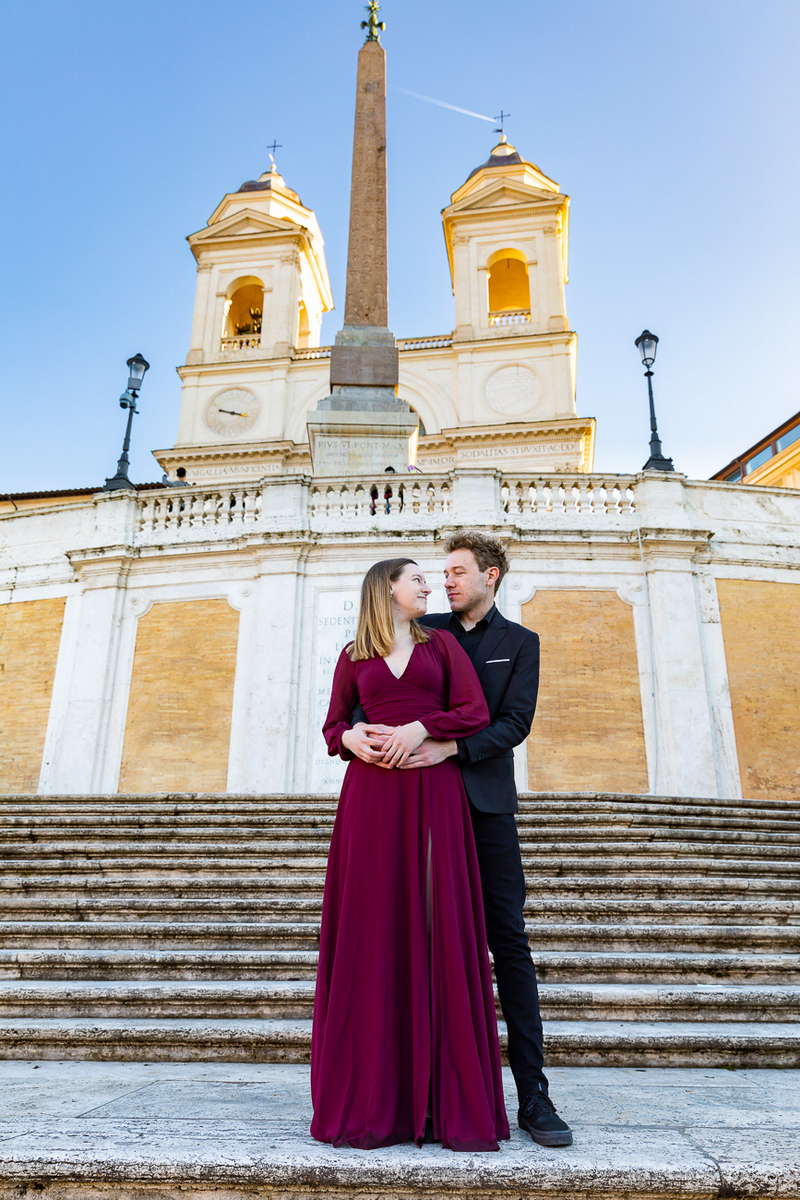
column 519, row 316
column 432, row 342
column 569, row 495
column 381, row 500
column 199, row 512
column 243, row 341
column 384, row 502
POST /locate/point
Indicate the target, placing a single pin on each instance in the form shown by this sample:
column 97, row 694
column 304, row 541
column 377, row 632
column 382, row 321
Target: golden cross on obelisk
column 373, row 26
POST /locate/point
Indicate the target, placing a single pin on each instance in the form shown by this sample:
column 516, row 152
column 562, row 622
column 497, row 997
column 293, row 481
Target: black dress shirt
column 471, row 639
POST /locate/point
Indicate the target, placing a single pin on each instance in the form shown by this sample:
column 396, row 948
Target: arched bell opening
column 244, row 314
column 509, row 288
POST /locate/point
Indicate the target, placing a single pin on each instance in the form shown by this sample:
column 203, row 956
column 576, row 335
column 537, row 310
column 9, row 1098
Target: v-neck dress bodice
column 404, row 1013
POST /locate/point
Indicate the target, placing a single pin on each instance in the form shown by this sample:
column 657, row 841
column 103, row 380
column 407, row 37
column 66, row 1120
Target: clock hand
column 232, row 412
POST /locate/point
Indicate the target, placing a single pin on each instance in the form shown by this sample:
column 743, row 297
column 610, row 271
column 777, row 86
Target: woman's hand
column 367, row 741
column 402, row 741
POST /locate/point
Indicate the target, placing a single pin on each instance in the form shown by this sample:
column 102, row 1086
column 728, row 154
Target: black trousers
column 497, row 843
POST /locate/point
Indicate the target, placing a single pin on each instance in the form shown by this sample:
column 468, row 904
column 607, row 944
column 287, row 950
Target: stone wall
column 178, row 726
column 30, row 633
column 760, row 627
column 200, row 627
column 588, row 733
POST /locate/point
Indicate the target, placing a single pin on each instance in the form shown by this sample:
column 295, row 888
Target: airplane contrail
column 453, row 107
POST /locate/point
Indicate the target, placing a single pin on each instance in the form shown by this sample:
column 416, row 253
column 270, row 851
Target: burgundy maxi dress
column 404, row 1016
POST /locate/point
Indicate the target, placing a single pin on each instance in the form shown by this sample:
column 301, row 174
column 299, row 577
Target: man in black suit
column 506, row 658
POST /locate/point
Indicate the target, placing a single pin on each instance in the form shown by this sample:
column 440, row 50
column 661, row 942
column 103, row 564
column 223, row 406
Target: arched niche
column 303, row 327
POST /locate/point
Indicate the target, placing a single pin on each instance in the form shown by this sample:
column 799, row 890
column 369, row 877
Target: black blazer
column 508, row 669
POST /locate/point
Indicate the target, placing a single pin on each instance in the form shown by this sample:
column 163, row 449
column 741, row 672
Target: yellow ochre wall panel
column 760, row 623
column 178, row 725
column 588, row 733
column 30, row 634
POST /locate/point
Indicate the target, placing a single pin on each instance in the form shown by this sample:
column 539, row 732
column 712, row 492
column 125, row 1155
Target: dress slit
column 429, row 923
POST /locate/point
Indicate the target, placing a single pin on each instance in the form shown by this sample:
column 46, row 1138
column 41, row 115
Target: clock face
column 232, row 412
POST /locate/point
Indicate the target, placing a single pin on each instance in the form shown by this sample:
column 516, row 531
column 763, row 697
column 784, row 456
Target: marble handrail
column 567, row 494
column 196, row 513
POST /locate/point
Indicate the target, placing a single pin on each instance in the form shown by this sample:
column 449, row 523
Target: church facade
column 498, row 388
column 181, row 638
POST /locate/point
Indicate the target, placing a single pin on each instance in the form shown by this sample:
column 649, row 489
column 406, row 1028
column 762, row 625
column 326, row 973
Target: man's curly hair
column 487, row 550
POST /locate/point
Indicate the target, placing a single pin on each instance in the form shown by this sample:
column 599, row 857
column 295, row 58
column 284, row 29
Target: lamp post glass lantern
column 137, row 366
column 647, row 344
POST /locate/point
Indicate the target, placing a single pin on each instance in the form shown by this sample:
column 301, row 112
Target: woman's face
column 410, row 593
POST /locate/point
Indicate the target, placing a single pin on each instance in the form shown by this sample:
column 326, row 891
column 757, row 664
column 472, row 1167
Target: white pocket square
column 494, row 660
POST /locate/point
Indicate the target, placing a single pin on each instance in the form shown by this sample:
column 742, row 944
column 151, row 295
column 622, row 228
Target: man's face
column 466, row 585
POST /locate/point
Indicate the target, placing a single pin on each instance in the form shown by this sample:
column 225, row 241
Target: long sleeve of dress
column 467, row 712
column 344, row 697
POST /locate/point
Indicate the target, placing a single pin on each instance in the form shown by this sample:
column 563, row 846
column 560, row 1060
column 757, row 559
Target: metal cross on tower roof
column 271, row 152
column 373, row 26
column 501, row 119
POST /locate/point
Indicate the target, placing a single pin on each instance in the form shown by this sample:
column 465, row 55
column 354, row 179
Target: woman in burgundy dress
column 404, row 1030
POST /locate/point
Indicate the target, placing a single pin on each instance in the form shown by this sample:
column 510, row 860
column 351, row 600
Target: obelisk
column 363, row 427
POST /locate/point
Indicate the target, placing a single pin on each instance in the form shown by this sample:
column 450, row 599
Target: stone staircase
column 666, row 931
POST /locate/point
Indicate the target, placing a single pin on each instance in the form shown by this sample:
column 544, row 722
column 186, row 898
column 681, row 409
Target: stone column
column 79, row 757
column 263, row 734
column 682, row 745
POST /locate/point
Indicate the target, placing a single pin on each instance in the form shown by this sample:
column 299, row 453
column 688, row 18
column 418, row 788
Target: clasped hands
column 401, row 746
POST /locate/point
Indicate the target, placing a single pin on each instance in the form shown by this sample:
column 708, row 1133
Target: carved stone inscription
column 335, row 626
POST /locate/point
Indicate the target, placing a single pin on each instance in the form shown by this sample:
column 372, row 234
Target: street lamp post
column 647, row 343
column 137, row 365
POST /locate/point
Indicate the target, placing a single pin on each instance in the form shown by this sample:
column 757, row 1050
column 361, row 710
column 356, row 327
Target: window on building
column 786, row 439
column 758, row 459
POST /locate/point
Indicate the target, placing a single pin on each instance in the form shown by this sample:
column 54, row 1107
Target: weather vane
column 373, row 26
column 275, row 145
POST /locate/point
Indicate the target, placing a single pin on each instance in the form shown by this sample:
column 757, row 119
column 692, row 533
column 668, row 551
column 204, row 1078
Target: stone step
column 573, row 1043
column 293, row 999
column 552, row 965
column 281, row 802
column 307, row 822
column 289, row 935
column 635, row 860
column 228, row 841
column 226, row 817
column 132, row 907
column 218, row 1131
column 260, row 883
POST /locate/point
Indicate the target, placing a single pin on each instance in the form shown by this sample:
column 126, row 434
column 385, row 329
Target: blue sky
column 673, row 127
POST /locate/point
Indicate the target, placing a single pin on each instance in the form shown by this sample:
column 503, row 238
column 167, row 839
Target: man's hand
column 403, row 741
column 367, row 741
column 430, row 753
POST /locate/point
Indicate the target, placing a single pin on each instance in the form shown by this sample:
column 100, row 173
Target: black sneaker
column 537, row 1115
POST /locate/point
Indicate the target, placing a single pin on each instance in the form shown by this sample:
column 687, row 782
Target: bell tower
column 262, row 282
column 262, row 289
column 506, row 232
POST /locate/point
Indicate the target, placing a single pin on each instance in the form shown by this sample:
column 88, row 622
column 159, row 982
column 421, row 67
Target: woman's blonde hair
column 375, row 628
